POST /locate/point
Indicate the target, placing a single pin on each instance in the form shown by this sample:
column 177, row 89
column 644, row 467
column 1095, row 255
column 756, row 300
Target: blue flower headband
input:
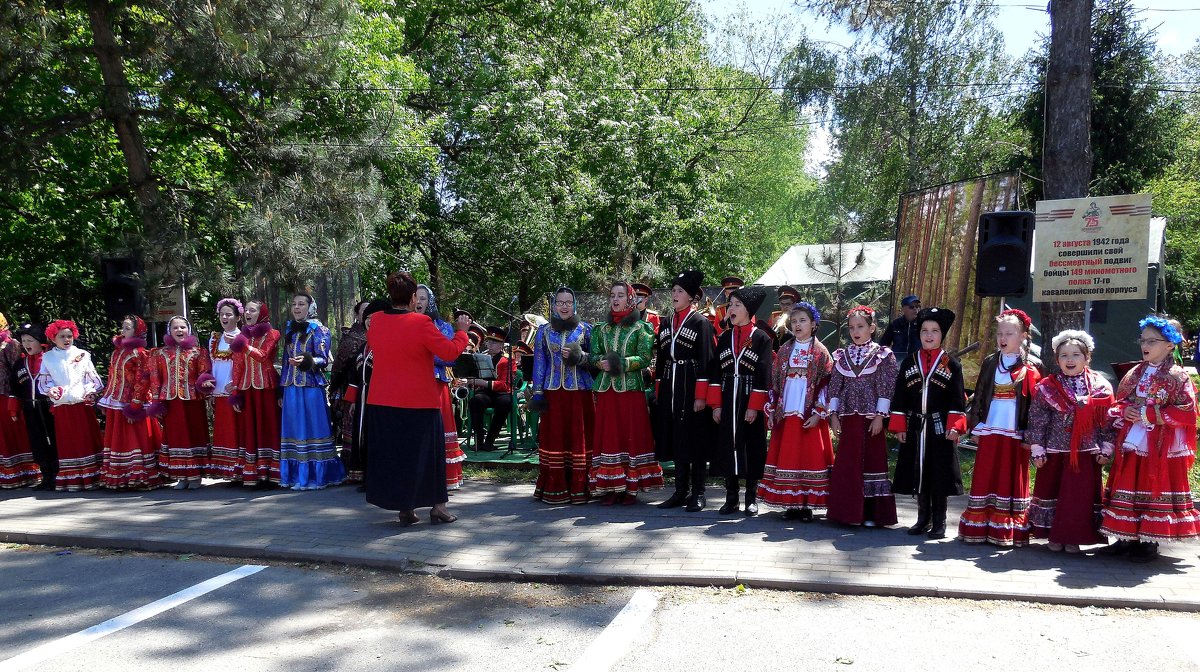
column 1164, row 327
column 810, row 309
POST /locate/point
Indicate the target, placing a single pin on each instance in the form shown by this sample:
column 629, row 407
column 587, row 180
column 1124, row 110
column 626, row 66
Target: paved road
column 503, row 533
column 289, row 617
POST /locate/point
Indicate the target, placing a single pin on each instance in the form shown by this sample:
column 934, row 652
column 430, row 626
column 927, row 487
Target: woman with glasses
column 562, row 395
column 1149, row 499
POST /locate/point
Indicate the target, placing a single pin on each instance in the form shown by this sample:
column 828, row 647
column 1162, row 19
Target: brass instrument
column 781, row 326
column 709, row 310
column 534, row 321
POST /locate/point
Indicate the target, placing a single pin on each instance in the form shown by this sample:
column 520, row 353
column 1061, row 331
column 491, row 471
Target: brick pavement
column 503, row 534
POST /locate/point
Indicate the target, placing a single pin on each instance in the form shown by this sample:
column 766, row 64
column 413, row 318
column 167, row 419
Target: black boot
column 923, row 515
column 676, row 500
column 751, row 498
column 731, row 504
column 697, row 502
column 938, row 528
column 1145, row 551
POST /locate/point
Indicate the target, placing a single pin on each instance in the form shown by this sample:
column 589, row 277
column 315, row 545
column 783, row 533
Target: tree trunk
column 1067, row 163
column 119, row 109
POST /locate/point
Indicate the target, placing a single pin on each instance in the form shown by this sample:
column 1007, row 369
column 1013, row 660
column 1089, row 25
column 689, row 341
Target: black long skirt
column 406, row 457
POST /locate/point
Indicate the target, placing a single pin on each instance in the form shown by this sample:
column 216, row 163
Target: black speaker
column 121, row 287
column 1002, row 255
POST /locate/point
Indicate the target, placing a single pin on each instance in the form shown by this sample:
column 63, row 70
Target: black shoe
column 751, row 509
column 806, row 515
column 1119, row 547
column 793, row 514
column 676, row 500
column 1145, row 551
column 730, row 506
column 695, row 503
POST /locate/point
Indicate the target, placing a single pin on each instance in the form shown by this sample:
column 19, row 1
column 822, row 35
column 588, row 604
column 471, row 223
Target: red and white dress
column 254, row 375
column 17, row 466
column 799, row 458
column 998, row 507
column 1148, row 497
column 131, row 437
column 226, row 451
column 177, row 372
column 69, row 379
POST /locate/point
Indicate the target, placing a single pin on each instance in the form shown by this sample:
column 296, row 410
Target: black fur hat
column 943, row 316
column 690, row 281
column 752, row 297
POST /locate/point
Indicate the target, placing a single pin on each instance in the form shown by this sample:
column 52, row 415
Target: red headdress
column 58, row 325
column 867, row 310
column 1021, row 316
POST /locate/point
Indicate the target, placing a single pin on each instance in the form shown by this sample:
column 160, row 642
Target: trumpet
column 709, row 310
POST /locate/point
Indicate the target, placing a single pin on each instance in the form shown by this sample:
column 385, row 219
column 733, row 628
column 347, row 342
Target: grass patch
column 500, row 475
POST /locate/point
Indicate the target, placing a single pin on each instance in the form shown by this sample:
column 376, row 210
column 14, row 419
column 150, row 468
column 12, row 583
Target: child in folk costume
column 69, row 379
column 35, row 405
column 427, row 304
column 227, row 450
column 860, row 397
column 256, row 399
column 1069, row 442
column 342, row 375
column 562, row 395
column 623, row 446
column 998, row 507
column 1148, row 497
column 929, row 417
column 17, row 466
column 308, row 460
column 686, row 346
column 180, row 377
column 737, row 392
column 801, row 453
column 131, row 437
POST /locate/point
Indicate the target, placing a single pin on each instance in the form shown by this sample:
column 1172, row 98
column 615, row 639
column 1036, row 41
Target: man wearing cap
column 729, row 284
column 788, row 296
column 643, row 293
column 902, row 335
column 494, row 394
column 683, row 429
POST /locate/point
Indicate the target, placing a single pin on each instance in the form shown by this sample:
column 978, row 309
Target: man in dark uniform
column 683, row 425
column 903, row 334
column 494, row 394
column 730, row 284
column 643, row 293
column 788, row 296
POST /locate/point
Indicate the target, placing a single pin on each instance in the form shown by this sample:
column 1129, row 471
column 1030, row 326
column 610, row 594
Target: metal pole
column 1087, row 316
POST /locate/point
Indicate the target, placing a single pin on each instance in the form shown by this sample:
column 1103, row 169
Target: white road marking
column 621, row 634
column 64, row 644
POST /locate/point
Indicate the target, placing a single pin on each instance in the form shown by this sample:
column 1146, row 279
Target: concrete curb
column 516, row 574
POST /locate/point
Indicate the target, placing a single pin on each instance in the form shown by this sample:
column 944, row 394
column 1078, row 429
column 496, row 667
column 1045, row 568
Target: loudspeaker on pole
column 1005, row 244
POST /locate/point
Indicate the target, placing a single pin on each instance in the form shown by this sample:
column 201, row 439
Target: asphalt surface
column 307, row 617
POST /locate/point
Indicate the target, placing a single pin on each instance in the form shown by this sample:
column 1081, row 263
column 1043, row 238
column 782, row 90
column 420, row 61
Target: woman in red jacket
column 406, row 454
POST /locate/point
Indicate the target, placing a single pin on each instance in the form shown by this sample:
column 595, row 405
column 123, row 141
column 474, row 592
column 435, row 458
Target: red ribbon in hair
column 58, row 325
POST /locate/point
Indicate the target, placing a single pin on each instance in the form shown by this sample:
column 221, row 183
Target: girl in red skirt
column 1069, row 443
column 131, row 437
column 860, row 397
column 180, row 376
column 1148, row 498
column 226, row 451
column 623, row 442
column 998, row 507
column 17, row 465
column 257, row 383
column 68, row 378
column 801, row 454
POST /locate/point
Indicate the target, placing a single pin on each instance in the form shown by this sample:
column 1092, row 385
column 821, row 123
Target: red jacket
column 403, row 346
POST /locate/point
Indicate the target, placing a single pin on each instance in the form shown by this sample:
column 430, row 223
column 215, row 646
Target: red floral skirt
column 565, row 447
column 859, row 489
column 79, row 447
column 184, row 451
column 998, row 507
column 1150, row 499
column 454, row 454
column 798, row 463
column 623, row 445
column 1066, row 503
column 226, row 453
column 259, row 457
column 130, row 456
column 17, row 467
